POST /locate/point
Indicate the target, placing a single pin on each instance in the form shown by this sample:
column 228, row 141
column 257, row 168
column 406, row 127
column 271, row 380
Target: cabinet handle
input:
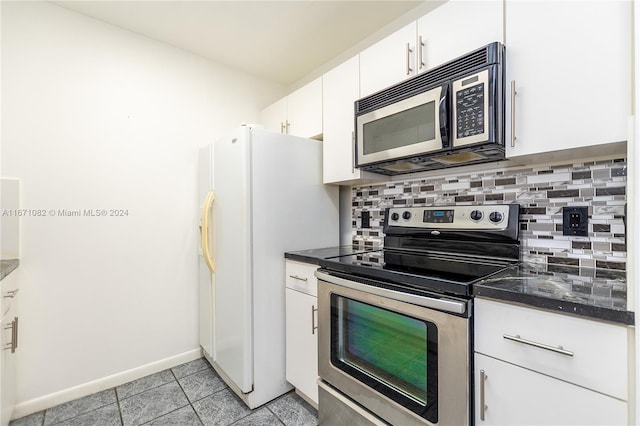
column 15, row 331
column 557, row 349
column 483, row 407
column 11, row 294
column 513, row 113
column 286, row 127
column 421, row 63
column 409, row 51
column 282, row 127
column 353, row 152
column 295, row 277
column 314, row 327
column 13, row 344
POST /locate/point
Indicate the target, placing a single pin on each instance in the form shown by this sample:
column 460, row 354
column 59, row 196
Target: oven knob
column 406, row 215
column 476, row 215
column 495, row 217
column 395, row 216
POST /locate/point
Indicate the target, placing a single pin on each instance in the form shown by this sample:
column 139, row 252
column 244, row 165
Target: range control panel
column 493, row 217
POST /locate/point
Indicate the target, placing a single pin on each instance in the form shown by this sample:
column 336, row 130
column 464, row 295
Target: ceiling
column 281, row 41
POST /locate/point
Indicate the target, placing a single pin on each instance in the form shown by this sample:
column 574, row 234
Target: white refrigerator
column 267, row 199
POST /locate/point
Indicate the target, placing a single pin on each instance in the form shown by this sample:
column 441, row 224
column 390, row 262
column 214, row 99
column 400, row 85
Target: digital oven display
column 438, row 216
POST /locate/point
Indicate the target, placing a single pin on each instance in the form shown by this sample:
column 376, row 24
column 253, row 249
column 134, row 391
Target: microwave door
column 406, row 128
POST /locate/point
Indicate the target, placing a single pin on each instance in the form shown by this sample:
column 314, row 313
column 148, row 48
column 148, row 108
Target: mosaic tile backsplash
column 541, row 193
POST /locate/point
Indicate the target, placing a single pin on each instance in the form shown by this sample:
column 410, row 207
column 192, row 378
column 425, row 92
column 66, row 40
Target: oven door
column 404, row 357
column 408, row 127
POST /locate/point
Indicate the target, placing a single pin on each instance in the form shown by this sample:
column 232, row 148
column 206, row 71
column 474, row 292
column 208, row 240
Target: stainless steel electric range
column 395, row 325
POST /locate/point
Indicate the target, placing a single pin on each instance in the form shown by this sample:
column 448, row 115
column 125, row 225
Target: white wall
column 95, row 117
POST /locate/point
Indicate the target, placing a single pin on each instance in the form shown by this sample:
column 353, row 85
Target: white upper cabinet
column 304, row 110
column 451, row 30
column 389, row 61
column 571, row 67
column 457, row 28
column 299, row 113
column 339, row 93
column 274, row 116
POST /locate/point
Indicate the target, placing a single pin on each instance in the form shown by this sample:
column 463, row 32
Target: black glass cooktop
column 440, row 272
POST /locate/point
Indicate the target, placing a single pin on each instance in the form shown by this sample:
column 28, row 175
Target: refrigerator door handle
column 204, row 231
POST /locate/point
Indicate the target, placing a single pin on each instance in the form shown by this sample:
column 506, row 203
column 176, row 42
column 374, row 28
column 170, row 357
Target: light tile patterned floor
column 189, row 394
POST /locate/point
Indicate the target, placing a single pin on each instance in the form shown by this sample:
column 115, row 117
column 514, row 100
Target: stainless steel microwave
column 451, row 115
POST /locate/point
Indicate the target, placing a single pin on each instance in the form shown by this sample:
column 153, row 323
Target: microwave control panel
column 471, row 109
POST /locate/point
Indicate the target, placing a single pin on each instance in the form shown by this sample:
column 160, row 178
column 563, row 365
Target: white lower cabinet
column 302, row 343
column 537, row 367
column 514, row 395
column 9, row 332
column 302, row 329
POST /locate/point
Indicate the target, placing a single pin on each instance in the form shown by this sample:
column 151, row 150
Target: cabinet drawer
column 517, row 396
column 584, row 352
column 299, row 276
column 10, row 287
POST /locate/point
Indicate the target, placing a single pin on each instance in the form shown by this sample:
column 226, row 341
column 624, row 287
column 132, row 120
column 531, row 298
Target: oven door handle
column 446, row 305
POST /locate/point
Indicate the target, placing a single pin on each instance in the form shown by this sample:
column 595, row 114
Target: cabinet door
column 389, row 61
column 274, row 116
column 516, row 396
column 8, row 364
column 302, row 342
column 572, row 79
column 304, row 110
column 457, row 28
column 340, row 91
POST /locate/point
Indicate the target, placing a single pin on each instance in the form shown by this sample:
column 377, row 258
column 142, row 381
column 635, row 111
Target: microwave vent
column 459, row 158
column 426, row 80
column 405, row 167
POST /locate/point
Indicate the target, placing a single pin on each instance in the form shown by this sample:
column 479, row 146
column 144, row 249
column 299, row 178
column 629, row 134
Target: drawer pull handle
column 314, row 327
column 514, row 92
column 13, row 344
column 483, row 406
column 557, row 349
column 11, row 294
column 295, row 277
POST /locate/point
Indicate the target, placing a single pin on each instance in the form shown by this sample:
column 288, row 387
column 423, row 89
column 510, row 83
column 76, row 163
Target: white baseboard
column 51, row 400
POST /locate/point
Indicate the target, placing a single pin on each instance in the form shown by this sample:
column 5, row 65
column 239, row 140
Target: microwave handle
column 443, row 111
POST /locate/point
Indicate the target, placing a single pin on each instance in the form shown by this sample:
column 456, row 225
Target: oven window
column 393, row 353
column 404, row 128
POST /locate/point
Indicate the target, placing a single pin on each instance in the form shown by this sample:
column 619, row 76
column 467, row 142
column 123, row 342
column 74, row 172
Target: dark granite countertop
column 315, row 255
column 7, row 266
column 599, row 294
